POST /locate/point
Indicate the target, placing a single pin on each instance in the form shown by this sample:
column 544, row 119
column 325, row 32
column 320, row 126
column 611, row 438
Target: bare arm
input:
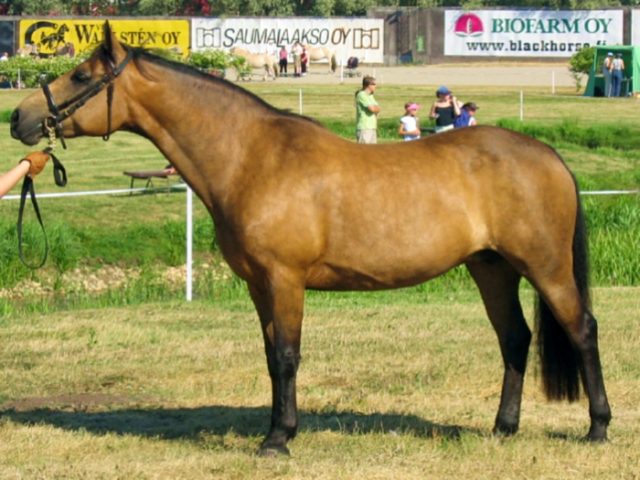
column 432, row 113
column 13, row 176
column 32, row 165
column 456, row 106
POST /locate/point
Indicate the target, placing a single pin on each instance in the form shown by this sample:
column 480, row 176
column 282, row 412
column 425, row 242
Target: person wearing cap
column 617, row 73
column 607, row 66
column 30, row 165
column 445, row 109
column 367, row 110
column 409, row 124
column 467, row 116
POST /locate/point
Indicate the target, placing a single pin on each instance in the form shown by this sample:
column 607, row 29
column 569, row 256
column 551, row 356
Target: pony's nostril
column 15, row 116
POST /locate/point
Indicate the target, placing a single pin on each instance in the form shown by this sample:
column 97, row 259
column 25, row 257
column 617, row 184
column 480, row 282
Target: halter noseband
column 52, row 125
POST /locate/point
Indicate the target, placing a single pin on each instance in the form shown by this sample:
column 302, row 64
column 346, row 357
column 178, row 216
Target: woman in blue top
column 444, row 110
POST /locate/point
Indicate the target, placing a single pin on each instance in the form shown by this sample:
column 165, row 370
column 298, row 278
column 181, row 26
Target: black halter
column 52, row 125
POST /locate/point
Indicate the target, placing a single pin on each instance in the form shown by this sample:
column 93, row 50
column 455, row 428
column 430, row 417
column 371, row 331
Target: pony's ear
column 111, row 44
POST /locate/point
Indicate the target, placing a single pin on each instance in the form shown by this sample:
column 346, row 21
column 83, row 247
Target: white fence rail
column 189, row 214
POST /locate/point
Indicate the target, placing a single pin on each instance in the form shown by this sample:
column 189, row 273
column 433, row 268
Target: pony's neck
column 203, row 126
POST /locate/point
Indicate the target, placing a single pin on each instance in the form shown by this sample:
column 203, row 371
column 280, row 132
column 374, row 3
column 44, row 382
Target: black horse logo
column 49, row 41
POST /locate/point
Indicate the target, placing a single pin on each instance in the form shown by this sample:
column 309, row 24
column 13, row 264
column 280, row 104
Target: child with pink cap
column 409, row 124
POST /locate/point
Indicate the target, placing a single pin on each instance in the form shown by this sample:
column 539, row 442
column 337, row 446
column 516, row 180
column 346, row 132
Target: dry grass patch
column 390, row 386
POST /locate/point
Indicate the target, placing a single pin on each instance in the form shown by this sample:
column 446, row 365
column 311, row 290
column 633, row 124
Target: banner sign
column 59, row 35
column 529, row 33
column 345, row 37
column 635, row 27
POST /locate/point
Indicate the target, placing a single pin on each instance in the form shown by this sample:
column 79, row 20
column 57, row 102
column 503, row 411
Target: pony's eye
column 80, row 77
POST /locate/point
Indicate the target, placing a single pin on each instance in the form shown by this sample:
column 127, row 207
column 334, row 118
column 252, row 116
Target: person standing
column 617, row 73
column 607, row 65
column 467, row 117
column 409, row 124
column 367, row 110
column 283, row 60
column 304, row 61
column 296, row 51
column 444, row 110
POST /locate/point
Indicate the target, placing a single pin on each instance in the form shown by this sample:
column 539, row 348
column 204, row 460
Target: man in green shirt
column 367, row 110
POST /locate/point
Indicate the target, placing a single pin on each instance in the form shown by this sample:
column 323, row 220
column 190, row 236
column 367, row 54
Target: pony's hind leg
column 567, row 332
column 498, row 283
column 568, row 344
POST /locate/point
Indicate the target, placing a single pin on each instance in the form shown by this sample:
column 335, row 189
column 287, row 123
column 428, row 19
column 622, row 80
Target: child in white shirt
column 409, row 124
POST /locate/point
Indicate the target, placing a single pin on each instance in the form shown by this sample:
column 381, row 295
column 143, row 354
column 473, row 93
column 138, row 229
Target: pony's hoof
column 505, row 430
column 597, row 432
column 272, row 451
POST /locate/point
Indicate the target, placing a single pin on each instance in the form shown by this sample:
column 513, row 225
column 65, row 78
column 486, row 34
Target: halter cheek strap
column 52, row 125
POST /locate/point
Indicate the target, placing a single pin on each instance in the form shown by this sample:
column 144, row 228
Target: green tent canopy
column 631, row 81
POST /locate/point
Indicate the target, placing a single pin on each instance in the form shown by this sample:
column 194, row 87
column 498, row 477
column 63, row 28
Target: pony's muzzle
column 20, row 129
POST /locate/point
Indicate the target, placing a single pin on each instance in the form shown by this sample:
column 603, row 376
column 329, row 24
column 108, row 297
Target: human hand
column 37, row 161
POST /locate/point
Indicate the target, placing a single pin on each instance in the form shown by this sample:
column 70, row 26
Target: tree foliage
column 29, row 70
column 268, row 7
column 580, row 64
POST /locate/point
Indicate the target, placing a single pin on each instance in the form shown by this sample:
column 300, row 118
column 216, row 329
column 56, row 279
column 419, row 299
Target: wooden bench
column 148, row 175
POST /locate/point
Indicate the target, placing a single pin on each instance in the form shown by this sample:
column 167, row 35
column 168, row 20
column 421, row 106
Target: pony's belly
column 334, row 277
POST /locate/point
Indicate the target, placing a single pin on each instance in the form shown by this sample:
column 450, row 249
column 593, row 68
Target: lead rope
column 60, row 177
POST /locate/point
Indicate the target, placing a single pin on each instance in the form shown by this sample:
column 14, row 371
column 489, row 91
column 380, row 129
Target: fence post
column 189, row 241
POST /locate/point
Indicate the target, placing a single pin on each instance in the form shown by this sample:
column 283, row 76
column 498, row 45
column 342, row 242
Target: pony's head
column 80, row 102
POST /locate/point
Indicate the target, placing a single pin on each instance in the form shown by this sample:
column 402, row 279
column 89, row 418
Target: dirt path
column 511, row 75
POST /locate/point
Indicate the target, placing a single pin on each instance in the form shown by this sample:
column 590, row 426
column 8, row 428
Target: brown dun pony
column 320, row 212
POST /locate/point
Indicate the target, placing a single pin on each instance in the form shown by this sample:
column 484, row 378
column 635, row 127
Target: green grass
column 616, row 136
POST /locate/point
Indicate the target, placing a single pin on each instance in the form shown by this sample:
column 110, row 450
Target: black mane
column 189, row 70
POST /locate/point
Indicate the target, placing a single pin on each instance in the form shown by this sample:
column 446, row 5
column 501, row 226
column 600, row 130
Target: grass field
column 106, row 373
column 392, row 385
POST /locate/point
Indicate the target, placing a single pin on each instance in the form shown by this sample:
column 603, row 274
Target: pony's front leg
column 280, row 307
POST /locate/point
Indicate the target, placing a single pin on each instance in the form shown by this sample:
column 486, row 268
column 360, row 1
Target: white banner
column 529, row 33
column 635, row 27
column 345, row 37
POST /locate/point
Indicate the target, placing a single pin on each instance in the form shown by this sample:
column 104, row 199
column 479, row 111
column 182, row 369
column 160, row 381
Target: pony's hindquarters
column 534, row 220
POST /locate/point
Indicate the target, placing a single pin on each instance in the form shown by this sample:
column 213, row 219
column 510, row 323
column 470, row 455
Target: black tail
column 333, row 62
column 560, row 365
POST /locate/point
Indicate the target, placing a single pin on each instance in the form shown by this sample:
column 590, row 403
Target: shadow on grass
column 190, row 423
